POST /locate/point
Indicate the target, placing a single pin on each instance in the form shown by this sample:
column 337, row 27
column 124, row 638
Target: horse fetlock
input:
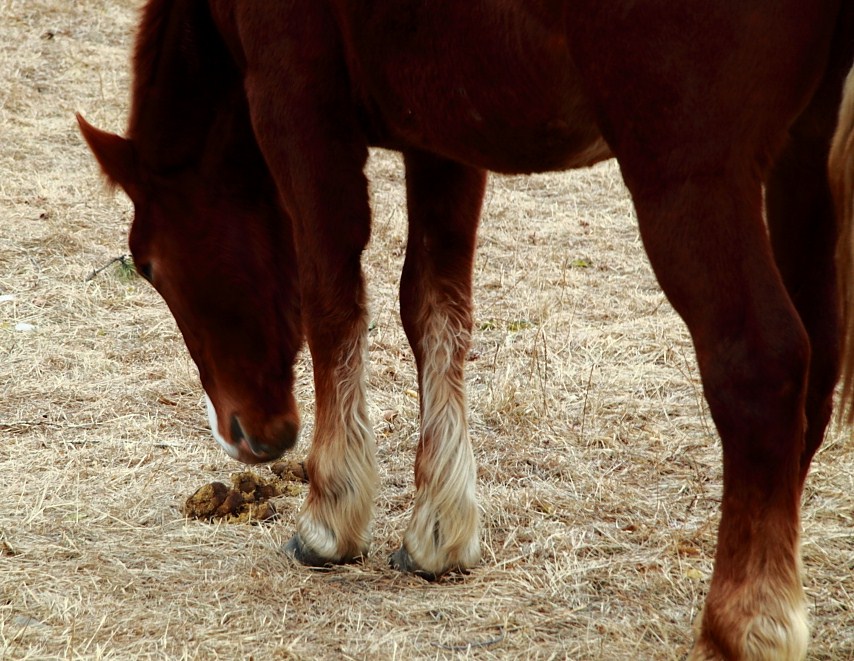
column 755, row 625
column 335, row 535
column 767, row 639
column 442, row 540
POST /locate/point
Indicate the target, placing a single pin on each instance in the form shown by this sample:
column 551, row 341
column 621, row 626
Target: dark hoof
column 297, row 550
column 402, row 561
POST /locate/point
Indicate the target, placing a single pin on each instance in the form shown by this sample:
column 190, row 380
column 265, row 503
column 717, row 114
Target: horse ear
column 114, row 153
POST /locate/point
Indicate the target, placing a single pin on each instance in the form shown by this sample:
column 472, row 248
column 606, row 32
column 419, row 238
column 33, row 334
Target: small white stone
column 24, row 327
column 7, row 298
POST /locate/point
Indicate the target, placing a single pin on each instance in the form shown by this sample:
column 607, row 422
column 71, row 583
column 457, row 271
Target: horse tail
column 841, row 171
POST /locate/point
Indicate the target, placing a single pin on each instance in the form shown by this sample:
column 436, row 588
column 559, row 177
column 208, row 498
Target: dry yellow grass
column 599, row 468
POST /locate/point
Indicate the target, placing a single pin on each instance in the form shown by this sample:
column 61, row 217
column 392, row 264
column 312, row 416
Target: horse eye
column 145, row 271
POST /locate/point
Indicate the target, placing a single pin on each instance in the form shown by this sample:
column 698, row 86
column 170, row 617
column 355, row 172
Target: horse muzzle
column 249, row 446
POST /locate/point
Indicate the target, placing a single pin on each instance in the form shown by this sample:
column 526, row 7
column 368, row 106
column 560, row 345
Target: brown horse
column 249, row 129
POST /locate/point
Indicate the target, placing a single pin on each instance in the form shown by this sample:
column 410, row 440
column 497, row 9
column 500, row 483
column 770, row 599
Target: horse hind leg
column 444, row 201
column 708, row 245
column 804, row 236
column 841, row 167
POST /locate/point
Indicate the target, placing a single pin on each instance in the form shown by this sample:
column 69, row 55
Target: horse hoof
column 402, row 561
column 298, row 551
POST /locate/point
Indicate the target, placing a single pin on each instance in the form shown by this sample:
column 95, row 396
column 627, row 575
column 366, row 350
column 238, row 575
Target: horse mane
column 183, row 79
column 147, row 49
column 151, row 39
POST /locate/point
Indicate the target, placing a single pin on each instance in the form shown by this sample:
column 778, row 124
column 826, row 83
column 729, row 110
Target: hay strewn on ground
column 599, row 468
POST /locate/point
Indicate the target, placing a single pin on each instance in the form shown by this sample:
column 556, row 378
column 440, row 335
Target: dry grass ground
column 599, row 470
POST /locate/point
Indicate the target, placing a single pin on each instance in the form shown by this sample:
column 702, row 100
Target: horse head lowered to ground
column 249, row 131
column 211, row 236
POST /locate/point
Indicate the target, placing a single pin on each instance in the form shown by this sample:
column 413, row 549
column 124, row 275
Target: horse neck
column 183, row 79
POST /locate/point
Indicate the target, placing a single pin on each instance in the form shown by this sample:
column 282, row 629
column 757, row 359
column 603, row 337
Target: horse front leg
column 333, row 525
column 707, row 243
column 307, row 131
column 444, row 200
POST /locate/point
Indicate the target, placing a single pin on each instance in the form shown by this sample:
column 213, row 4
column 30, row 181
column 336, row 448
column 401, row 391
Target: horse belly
column 495, row 91
column 507, row 140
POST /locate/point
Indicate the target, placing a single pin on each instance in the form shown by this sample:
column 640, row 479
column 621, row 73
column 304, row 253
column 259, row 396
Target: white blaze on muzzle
column 230, row 450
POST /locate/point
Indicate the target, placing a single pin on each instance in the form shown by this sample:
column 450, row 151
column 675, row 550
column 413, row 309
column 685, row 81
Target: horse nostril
column 236, row 429
column 261, row 450
column 279, row 437
column 238, row 435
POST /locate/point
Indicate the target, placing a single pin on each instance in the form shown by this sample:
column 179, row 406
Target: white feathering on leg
column 335, row 523
column 443, row 533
